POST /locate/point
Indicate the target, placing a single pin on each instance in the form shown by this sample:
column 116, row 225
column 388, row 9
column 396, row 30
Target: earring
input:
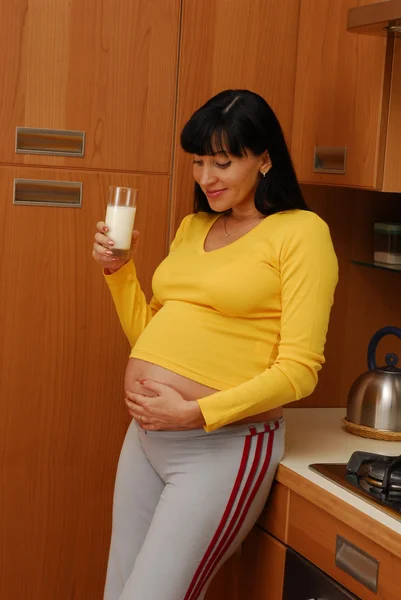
column 264, row 174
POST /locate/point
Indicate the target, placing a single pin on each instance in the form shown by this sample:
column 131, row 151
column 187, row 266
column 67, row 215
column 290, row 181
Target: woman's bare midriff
column 189, row 389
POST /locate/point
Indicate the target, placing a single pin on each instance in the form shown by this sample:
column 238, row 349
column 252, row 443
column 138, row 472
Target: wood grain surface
column 339, row 95
column 106, row 67
column 392, row 167
column 62, row 417
column 224, row 46
column 342, row 511
column 313, row 532
column 263, row 563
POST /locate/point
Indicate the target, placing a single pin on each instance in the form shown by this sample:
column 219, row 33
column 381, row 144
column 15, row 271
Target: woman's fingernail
column 110, row 243
column 109, row 252
column 105, row 228
column 142, row 381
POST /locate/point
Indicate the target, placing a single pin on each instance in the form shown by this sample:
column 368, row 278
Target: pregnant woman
column 235, row 329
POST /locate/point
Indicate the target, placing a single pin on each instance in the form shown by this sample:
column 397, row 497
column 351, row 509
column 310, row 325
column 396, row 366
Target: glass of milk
column 120, row 218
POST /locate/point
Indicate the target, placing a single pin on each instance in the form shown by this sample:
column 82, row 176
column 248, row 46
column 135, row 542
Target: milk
column 120, row 221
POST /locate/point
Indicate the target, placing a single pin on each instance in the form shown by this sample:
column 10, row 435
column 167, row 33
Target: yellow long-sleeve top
column 248, row 319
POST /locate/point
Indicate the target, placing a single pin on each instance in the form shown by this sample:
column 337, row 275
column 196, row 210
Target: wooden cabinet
column 107, row 68
column 313, row 533
column 62, row 417
column 232, row 44
column 262, row 568
column 226, row 583
column 330, row 533
column 255, row 572
column 392, row 164
column 342, row 99
column 274, row 517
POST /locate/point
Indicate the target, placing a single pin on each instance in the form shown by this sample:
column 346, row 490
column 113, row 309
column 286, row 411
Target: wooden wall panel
column 232, row 44
column 106, row 67
column 62, row 417
column 339, row 95
column 366, row 299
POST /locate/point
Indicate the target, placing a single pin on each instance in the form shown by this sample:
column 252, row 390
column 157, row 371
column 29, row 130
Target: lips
column 215, row 193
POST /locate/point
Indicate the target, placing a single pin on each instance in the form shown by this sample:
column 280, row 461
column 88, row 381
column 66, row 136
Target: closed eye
column 224, row 165
column 198, row 162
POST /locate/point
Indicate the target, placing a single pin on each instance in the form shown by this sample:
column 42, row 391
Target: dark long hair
column 235, row 121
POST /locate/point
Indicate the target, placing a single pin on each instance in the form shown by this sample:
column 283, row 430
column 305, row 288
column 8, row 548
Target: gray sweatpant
column 183, row 503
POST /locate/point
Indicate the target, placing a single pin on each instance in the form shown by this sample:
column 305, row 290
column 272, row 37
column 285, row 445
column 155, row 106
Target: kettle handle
column 391, row 359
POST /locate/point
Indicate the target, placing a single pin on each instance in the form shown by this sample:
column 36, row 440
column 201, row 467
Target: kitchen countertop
column 316, row 435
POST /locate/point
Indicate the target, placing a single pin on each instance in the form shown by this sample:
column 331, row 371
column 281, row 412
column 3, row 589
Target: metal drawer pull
column 35, row 192
column 329, row 159
column 393, row 28
column 53, row 142
column 357, row 563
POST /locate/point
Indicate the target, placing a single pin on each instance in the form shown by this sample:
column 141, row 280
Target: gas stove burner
column 377, row 475
column 395, row 486
column 371, row 481
column 364, row 486
column 375, row 490
column 377, row 471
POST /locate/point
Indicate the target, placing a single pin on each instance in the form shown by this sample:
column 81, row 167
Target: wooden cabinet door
column 225, row 584
column 314, row 533
column 274, row 516
column 107, row 68
column 262, row 567
column 339, row 95
column 392, row 165
column 63, row 356
column 232, row 44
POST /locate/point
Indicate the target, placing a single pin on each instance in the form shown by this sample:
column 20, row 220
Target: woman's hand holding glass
column 103, row 249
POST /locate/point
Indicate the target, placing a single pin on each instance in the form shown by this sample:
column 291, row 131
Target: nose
column 207, row 176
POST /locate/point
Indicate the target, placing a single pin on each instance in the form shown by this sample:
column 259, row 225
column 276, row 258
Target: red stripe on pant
column 239, row 515
column 230, row 504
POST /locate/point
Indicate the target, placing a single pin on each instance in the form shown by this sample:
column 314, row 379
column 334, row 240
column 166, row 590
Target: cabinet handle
column 330, row 159
column 36, row 192
column 52, row 142
column 393, row 28
column 357, row 563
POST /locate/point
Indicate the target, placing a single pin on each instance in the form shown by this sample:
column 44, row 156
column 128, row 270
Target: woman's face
column 229, row 181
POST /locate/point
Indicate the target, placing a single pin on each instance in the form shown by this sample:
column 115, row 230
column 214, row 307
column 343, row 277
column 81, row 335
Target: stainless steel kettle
column 374, row 399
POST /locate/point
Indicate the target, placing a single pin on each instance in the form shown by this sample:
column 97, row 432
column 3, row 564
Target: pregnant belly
column 190, row 390
column 140, row 369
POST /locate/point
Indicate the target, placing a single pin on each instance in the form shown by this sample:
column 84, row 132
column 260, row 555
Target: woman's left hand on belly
column 164, row 410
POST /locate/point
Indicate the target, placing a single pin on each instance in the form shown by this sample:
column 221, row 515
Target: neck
column 244, row 214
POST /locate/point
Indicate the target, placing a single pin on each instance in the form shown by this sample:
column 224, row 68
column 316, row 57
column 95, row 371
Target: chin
column 219, row 210
column 219, row 207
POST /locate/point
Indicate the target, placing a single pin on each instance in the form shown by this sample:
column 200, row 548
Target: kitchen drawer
column 314, row 533
column 274, row 517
